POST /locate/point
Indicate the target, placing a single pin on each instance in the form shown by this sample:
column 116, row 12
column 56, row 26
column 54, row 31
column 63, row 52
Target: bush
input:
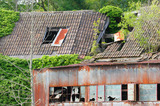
column 7, row 21
column 14, row 72
column 114, row 14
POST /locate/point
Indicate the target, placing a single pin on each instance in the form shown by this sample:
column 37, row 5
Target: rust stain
column 87, row 68
column 121, row 74
column 145, row 78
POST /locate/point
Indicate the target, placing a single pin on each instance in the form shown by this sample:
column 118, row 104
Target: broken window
column 82, row 92
column 92, row 93
column 113, row 93
column 55, row 94
column 75, row 94
column 124, row 92
column 100, row 93
column 55, row 35
column 50, row 35
column 66, row 94
column 147, row 92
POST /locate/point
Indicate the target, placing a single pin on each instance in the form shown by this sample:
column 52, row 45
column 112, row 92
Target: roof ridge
column 77, row 11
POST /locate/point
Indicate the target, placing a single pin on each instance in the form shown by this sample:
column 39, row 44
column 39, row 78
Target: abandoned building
column 122, row 75
column 102, row 84
column 67, row 32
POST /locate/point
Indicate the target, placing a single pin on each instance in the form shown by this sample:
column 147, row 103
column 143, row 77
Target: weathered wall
column 95, row 74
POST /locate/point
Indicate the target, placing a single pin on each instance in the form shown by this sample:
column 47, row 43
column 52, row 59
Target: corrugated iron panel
column 90, row 75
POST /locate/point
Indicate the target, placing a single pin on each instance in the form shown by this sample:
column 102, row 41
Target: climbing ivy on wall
column 14, row 73
column 7, row 21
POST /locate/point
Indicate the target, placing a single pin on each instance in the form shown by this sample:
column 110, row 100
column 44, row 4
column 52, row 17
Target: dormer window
column 55, row 35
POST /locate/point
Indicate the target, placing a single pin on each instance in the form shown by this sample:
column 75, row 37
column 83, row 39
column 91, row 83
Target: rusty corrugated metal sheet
column 95, row 74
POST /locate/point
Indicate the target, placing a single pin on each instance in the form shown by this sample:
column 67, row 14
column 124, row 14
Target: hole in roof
column 120, row 47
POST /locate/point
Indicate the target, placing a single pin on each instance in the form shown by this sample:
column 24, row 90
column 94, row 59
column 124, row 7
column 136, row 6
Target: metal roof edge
column 104, row 64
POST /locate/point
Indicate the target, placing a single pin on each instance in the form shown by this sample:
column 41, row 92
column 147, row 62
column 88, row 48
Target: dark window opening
column 56, row 94
column 120, row 47
column 66, row 94
column 124, row 92
column 51, row 34
column 108, row 40
column 137, row 92
column 75, row 94
column 130, row 28
column 158, row 91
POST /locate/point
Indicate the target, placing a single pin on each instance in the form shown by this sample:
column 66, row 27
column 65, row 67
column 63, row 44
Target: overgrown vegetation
column 64, row 5
column 62, row 60
column 15, row 76
column 146, row 26
column 114, row 14
column 95, row 46
column 7, row 21
column 14, row 73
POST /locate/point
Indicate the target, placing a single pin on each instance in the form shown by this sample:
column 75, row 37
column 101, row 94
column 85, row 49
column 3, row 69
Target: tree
column 114, row 14
column 146, row 27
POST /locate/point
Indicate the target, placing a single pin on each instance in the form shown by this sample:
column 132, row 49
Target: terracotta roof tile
column 79, row 37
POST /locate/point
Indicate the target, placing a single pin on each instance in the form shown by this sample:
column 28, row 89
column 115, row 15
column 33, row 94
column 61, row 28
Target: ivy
column 15, row 70
column 95, row 46
column 7, row 21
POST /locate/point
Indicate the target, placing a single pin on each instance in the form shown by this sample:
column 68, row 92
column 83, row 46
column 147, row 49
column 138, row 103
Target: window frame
column 51, row 30
column 71, row 95
column 87, row 94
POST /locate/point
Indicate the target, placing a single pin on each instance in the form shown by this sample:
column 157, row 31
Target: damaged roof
column 78, row 40
column 131, row 46
column 119, row 50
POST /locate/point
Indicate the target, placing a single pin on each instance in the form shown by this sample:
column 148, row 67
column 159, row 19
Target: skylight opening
column 55, row 35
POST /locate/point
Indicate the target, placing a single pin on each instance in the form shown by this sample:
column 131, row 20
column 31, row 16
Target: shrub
column 7, row 21
column 114, row 14
column 14, row 73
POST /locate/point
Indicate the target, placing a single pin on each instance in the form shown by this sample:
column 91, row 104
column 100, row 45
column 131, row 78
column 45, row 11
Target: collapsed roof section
column 119, row 50
column 148, row 36
column 78, row 39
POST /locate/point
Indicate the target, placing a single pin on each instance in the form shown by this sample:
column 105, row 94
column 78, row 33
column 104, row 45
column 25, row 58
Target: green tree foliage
column 62, row 60
column 71, row 5
column 14, row 73
column 129, row 18
column 114, row 14
column 64, row 5
column 15, row 76
column 146, row 26
column 123, row 4
column 7, row 21
column 7, row 4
